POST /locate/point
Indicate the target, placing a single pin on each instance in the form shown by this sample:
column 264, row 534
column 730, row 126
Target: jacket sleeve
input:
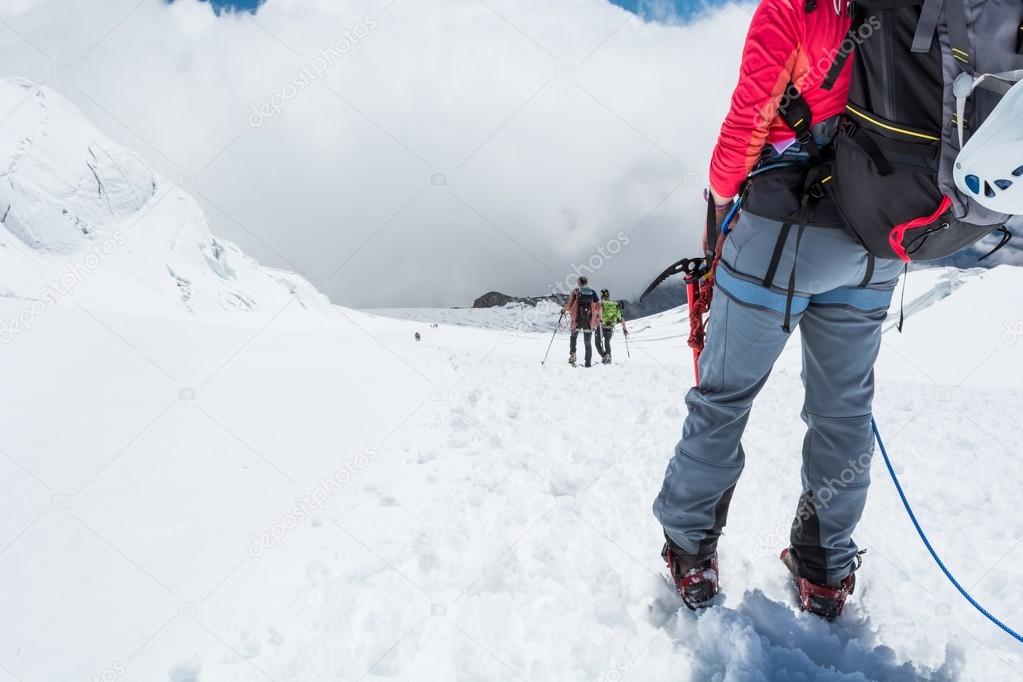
column 768, row 61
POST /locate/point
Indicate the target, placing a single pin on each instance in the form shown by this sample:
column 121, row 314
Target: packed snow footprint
column 763, row 639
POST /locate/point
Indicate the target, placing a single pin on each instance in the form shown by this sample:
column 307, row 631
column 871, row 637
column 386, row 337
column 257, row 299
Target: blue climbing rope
column 927, row 543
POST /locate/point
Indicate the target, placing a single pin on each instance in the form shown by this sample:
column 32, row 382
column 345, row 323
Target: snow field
column 465, row 514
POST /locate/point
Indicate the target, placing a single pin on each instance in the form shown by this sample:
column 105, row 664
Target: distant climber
column 418, row 337
column 610, row 315
column 584, row 308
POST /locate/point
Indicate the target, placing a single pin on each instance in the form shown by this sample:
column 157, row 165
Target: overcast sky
column 440, row 149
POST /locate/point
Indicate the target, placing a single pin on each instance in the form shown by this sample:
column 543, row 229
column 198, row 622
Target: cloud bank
column 408, row 152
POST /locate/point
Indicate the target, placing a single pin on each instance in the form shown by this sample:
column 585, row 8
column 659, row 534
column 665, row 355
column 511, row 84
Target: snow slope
column 341, row 502
column 511, row 318
column 84, row 219
column 203, row 480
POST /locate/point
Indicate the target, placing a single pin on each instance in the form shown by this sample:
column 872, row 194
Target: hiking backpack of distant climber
column 927, row 74
column 584, row 300
column 610, row 313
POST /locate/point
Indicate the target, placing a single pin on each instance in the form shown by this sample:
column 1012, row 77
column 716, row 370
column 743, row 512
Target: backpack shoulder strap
column 857, row 10
column 929, row 17
column 955, row 17
column 797, row 115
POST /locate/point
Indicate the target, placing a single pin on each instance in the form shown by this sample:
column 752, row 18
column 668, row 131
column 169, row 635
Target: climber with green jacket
column 610, row 315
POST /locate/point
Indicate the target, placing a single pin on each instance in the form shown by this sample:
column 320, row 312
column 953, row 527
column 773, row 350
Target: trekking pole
column 625, row 332
column 551, row 344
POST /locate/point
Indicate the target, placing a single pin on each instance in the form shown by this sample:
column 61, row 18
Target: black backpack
column 891, row 178
column 888, row 177
column 584, row 300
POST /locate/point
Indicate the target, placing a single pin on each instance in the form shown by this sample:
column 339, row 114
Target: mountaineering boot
column 696, row 580
column 607, row 359
column 571, row 359
column 826, row 601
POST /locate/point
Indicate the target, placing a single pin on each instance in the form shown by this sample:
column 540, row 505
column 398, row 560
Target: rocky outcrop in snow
column 495, row 299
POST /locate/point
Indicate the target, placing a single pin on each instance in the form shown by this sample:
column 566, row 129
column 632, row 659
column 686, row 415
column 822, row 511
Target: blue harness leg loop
column 927, row 543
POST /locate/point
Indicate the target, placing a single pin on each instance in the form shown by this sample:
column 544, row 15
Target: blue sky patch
column 222, row 6
column 668, row 11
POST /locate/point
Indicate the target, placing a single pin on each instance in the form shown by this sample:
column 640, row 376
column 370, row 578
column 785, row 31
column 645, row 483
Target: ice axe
column 699, row 289
column 698, row 275
column 672, row 270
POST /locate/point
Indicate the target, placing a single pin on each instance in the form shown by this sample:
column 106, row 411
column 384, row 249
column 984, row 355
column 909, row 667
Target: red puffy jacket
column 786, row 44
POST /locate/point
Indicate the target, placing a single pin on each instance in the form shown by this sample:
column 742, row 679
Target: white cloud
column 556, row 125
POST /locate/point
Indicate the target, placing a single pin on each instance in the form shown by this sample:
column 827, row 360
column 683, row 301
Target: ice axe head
column 694, row 269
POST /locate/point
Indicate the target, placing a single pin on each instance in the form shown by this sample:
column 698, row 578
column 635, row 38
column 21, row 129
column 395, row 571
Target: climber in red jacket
column 780, row 128
column 786, row 46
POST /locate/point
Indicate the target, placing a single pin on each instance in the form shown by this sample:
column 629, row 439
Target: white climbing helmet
column 989, row 168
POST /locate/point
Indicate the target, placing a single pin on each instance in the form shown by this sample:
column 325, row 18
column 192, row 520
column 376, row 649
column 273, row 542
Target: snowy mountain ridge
column 84, row 219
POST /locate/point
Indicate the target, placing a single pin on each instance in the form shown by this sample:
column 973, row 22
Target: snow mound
column 84, row 219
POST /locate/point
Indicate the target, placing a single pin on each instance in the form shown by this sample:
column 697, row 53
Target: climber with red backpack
column 841, row 160
column 584, row 310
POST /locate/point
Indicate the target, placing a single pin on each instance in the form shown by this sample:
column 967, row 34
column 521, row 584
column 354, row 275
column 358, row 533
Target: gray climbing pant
column 573, row 340
column 602, row 339
column 839, row 302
